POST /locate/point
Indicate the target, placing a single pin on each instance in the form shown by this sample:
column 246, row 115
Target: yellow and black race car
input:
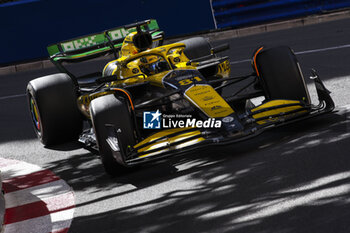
column 157, row 100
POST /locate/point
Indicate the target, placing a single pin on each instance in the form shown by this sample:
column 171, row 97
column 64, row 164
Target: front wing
column 182, row 140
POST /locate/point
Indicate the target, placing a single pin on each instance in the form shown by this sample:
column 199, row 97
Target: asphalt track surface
column 290, row 179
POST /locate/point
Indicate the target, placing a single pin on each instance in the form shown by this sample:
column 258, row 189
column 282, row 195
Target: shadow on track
column 291, row 179
column 15, row 123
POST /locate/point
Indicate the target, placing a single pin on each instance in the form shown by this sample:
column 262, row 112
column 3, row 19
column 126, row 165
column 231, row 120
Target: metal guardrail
column 237, row 13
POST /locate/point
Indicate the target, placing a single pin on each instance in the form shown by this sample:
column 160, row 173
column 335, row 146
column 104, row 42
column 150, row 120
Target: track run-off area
column 293, row 179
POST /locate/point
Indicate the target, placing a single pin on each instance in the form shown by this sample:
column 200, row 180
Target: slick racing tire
column 280, row 74
column 53, row 108
column 199, row 47
column 196, row 47
column 114, row 130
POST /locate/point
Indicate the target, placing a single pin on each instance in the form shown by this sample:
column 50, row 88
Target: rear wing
column 99, row 44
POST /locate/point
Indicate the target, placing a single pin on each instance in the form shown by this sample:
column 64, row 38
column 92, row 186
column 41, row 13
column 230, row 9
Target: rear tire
column 108, row 110
column 53, row 109
column 196, row 47
column 199, row 47
column 280, row 74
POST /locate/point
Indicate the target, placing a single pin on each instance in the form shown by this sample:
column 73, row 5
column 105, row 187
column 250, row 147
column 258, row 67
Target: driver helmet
column 149, row 64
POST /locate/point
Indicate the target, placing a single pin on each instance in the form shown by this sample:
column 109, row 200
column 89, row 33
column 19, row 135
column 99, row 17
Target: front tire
column 280, row 74
column 109, row 112
column 53, row 108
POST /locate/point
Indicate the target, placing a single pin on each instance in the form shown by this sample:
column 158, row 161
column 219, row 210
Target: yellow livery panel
column 208, row 100
column 168, row 141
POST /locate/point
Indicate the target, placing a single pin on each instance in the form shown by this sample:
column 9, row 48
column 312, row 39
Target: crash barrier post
column 29, row 26
column 238, row 13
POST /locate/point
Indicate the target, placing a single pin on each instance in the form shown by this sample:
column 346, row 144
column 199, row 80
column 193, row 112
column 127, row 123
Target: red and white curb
column 36, row 200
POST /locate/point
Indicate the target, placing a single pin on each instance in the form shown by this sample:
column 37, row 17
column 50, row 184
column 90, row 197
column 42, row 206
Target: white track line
column 232, row 62
column 324, row 49
column 241, row 61
column 302, row 52
column 12, row 96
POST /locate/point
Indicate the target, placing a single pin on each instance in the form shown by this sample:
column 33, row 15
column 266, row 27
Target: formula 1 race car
column 157, row 100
